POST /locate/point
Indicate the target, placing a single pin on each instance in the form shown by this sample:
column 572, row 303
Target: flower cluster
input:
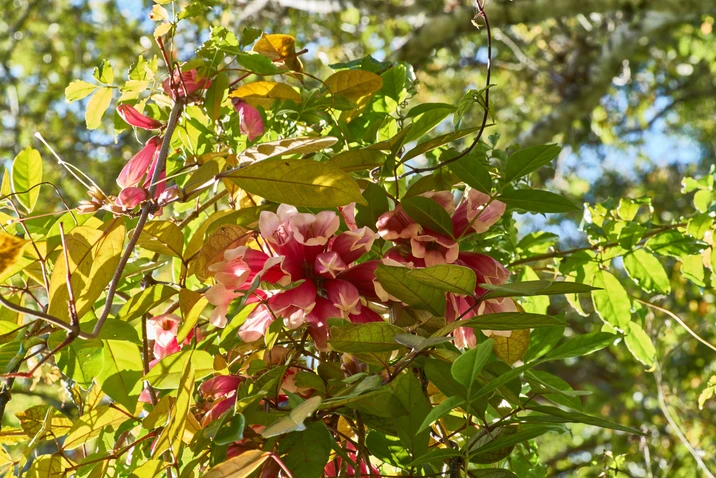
column 315, row 271
column 307, row 252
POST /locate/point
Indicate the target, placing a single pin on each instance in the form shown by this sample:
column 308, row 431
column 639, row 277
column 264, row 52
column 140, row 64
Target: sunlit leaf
column 353, row 84
column 294, row 420
column 225, row 238
column 511, row 349
column 264, row 93
column 279, row 47
column 162, row 237
column 11, row 248
column 240, row 466
column 26, row 174
column 96, row 107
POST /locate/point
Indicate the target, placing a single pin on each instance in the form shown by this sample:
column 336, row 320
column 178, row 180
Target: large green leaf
column 428, row 213
column 307, row 451
column 612, row 301
column 639, row 344
column 675, row 244
column 96, row 107
column 81, row 360
column 511, row 321
column 167, row 373
column 171, row 437
column 376, row 203
column 471, row 171
column 576, row 417
column 27, row 173
column 121, row 371
column 647, row 272
column 436, row 143
column 397, row 282
column 162, row 237
column 357, row 160
column 581, row 345
column 530, row 159
column 409, row 392
column 145, row 301
column 298, row 182
column 443, row 408
column 468, row 365
column 364, row 338
column 532, row 288
column 447, row 277
column 536, row 200
column 426, row 117
column 507, row 440
column 91, row 425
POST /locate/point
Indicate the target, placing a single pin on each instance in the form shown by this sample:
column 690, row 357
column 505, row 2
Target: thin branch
column 677, row 319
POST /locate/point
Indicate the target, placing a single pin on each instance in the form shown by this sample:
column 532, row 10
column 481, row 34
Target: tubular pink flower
column 396, row 224
column 317, row 321
column 136, row 168
column 348, row 213
column 250, row 121
column 464, row 337
column 344, row 296
column 444, row 198
column 314, row 230
column 365, row 315
column 351, row 245
column 135, row 118
column 129, row 198
column 160, row 352
column 220, row 297
column 275, row 227
column 163, row 328
column 256, row 324
column 293, row 304
column 434, row 248
column 240, row 265
column 187, row 79
column 362, row 276
column 473, row 212
column 220, row 386
column 329, row 264
column 487, row 269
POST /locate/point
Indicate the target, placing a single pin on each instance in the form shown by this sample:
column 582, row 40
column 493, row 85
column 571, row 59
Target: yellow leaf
column 171, row 436
column 240, row 466
column 281, row 47
column 162, row 29
column 511, row 349
column 5, row 188
column 191, row 304
column 10, row 436
column 162, row 237
column 264, row 93
column 284, row 147
column 92, row 423
column 96, row 107
column 94, row 256
column 354, row 84
column 159, row 13
column 226, row 237
column 10, row 250
column 49, row 466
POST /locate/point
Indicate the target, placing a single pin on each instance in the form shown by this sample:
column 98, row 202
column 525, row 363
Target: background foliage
column 625, row 86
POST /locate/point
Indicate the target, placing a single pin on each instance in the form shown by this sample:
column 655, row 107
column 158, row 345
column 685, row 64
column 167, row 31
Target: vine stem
column 677, row 319
column 486, row 113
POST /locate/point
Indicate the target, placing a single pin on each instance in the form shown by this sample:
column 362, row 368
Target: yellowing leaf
column 26, row 174
column 239, row 467
column 10, row 250
column 94, row 256
column 226, row 237
column 49, row 466
column 354, row 84
column 513, row 348
column 163, row 237
column 96, row 107
column 191, row 305
column 264, row 93
column 42, row 419
column 357, row 160
column 279, row 47
column 91, row 424
column 171, row 436
column 159, row 13
column 162, row 29
column 284, row 147
column 79, row 89
column 298, row 182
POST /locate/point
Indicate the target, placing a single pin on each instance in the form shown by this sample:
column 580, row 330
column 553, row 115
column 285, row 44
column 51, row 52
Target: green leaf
column 447, row 277
column 104, row 73
column 81, row 360
column 472, row 172
column 194, row 9
column 121, row 371
column 167, row 373
column 358, row 160
column 96, row 107
column 257, row 63
column 215, row 95
column 536, row 200
column 469, row 365
column 612, row 301
column 26, row 173
column 440, row 411
column 675, row 244
column 529, row 159
column 146, row 300
column 162, row 237
column 508, row 440
column 428, row 213
column 542, row 341
column 640, row 345
column 647, row 272
column 10, row 354
column 376, row 204
column 307, row 451
column 409, row 392
column 503, row 379
column 544, row 383
column 576, row 417
column 534, row 288
column 426, row 117
column 431, row 144
column 171, row 437
column 581, row 345
column 298, row 182
column 397, row 282
column 511, row 321
column 419, row 343
column 364, row 338
column 91, row 424
column 437, row 455
column 79, row 89
column 294, row 420
column 241, row 466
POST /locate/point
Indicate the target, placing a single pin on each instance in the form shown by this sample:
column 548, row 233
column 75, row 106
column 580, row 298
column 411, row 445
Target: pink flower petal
column 135, row 118
column 136, row 169
column 250, row 121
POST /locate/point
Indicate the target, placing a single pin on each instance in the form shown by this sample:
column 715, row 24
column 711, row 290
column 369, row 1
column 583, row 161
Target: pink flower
column 444, row 198
column 329, row 264
column 129, row 198
column 344, row 296
column 136, row 168
column 135, row 118
column 221, row 386
column 293, row 304
column 256, row 324
column 163, row 328
column 187, row 79
column 348, row 213
column 314, row 230
column 365, row 315
column 474, row 212
column 351, row 245
column 434, row 248
column 250, row 121
column 164, row 351
column 317, row 321
column 396, row 224
column 487, row 269
column 362, row 276
column 220, row 297
column 276, row 228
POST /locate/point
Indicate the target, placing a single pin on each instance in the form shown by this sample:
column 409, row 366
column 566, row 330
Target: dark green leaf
column 529, row 159
column 532, row 288
column 536, row 200
column 469, row 365
column 441, row 410
column 428, row 213
column 307, row 451
column 447, row 277
column 576, row 417
column 397, row 282
column 472, row 172
column 581, row 345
